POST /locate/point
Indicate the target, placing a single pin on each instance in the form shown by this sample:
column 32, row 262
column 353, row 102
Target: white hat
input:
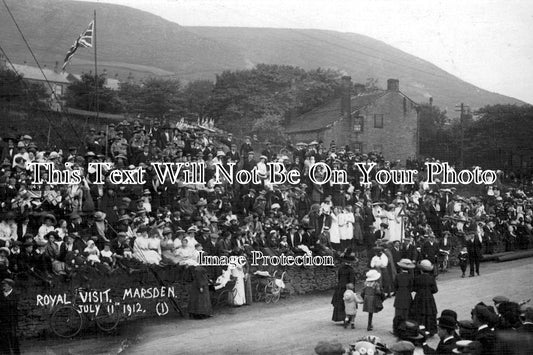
column 372, row 275
column 426, row 265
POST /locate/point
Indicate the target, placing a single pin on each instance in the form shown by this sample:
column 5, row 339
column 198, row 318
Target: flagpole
column 96, row 76
column 95, row 65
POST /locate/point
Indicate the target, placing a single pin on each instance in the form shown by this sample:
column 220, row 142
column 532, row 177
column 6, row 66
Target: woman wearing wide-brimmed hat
column 372, row 296
column 403, row 286
column 423, row 308
column 345, row 275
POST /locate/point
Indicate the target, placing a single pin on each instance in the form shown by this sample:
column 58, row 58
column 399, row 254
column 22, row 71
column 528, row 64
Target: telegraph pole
column 461, row 109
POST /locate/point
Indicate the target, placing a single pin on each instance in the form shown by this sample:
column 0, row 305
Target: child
column 350, row 305
column 107, row 256
column 373, row 296
column 463, row 260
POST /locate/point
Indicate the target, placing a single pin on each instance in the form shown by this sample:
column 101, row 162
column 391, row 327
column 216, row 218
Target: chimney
column 393, row 85
column 346, row 94
column 430, row 101
column 56, row 67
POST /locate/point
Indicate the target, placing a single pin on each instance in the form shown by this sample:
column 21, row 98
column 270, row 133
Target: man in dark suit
column 473, row 246
column 409, row 250
column 246, row 147
column 430, row 251
column 380, row 234
column 294, row 239
column 9, row 343
column 250, row 162
column 212, row 247
column 396, row 252
column 233, row 155
column 446, row 330
column 165, row 137
column 268, row 152
column 482, row 316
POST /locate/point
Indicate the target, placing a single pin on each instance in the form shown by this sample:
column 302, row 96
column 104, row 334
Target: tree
column 270, row 127
column 129, row 94
column 82, row 95
column 160, row 97
column 498, row 134
column 15, row 94
column 197, row 97
column 241, row 97
column 155, row 97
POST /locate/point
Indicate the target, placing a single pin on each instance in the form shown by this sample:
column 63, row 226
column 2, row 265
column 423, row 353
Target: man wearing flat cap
column 9, row 343
column 246, row 147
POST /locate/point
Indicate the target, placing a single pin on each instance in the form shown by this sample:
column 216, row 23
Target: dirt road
column 294, row 325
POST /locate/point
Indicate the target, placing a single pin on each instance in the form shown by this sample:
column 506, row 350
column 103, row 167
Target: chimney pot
column 346, row 95
column 393, row 85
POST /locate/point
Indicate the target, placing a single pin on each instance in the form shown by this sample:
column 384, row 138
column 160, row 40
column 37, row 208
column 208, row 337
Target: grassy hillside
column 359, row 56
column 131, row 40
column 126, row 38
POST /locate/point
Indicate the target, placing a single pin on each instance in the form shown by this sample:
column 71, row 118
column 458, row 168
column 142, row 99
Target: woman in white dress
column 395, row 223
column 377, row 211
column 346, row 229
column 238, row 296
column 142, row 250
column 334, row 230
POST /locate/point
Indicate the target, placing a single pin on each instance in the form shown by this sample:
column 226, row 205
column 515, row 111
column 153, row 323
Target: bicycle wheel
column 223, row 298
column 107, row 319
column 258, row 296
column 66, row 322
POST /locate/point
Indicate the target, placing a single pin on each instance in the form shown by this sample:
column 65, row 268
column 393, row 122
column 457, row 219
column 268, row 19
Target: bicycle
column 66, row 321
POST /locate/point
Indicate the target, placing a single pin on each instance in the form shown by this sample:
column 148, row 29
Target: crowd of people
column 504, row 327
column 53, row 229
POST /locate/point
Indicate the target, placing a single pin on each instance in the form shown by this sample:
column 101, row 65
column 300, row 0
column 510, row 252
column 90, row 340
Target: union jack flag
column 84, row 40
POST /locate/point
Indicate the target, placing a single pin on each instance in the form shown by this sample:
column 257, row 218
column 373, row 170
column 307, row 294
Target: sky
column 488, row 43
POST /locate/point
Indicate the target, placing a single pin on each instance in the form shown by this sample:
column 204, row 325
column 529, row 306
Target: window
column 358, row 124
column 378, row 121
column 358, row 147
column 377, row 148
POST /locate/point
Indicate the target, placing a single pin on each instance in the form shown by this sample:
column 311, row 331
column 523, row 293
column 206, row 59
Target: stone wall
column 124, row 290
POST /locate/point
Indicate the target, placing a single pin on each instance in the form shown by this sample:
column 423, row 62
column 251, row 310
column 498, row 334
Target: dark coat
column 9, row 343
column 372, row 299
column 199, row 299
column 487, row 338
column 345, row 275
column 424, row 302
column 473, row 246
column 403, row 285
column 430, row 252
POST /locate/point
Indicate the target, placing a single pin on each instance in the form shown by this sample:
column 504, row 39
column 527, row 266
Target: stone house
column 384, row 121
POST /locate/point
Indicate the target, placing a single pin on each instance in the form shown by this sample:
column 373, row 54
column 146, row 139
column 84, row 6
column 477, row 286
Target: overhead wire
column 56, row 131
column 41, row 70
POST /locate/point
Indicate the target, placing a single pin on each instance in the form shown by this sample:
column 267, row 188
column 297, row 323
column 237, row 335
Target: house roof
column 34, row 73
column 324, row 116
